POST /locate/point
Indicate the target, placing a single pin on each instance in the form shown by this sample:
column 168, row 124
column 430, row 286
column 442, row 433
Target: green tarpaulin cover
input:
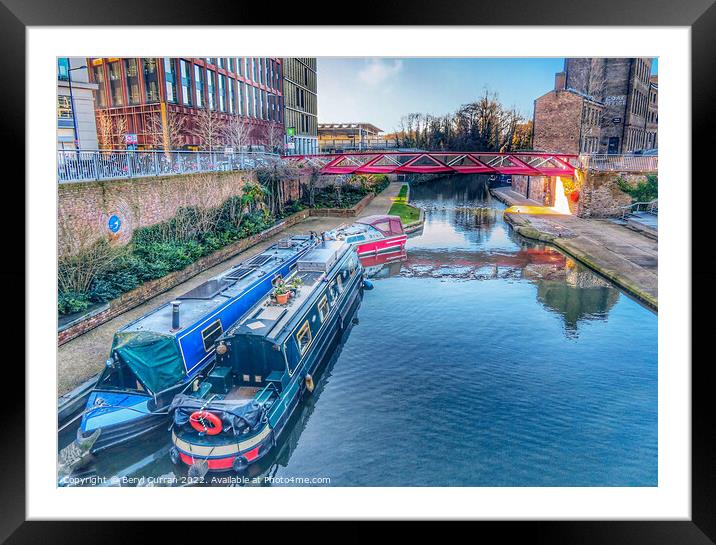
column 154, row 358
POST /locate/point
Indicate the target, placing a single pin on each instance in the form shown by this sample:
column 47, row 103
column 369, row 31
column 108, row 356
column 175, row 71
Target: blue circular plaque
column 114, row 224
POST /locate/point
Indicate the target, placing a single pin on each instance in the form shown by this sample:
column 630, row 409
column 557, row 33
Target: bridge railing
column 82, row 165
column 619, row 163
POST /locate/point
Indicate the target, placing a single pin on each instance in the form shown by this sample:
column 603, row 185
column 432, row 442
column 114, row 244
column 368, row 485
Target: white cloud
column 378, row 71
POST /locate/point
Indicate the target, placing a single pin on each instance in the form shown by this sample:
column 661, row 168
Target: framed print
column 404, row 270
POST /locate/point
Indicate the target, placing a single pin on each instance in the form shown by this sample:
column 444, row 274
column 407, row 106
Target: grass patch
column 408, row 214
column 402, row 194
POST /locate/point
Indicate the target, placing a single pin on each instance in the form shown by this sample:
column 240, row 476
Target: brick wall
column 153, row 288
column 84, row 208
column 537, row 188
column 557, row 120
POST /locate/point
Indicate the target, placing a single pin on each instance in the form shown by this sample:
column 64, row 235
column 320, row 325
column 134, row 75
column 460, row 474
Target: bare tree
column 209, row 128
column 104, row 130
column 174, row 128
column 111, row 130
column 237, row 132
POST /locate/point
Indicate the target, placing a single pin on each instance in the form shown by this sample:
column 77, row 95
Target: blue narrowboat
column 265, row 363
column 169, row 350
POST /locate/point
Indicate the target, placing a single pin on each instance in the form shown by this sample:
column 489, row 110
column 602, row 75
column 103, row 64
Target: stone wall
column 600, row 196
column 114, row 208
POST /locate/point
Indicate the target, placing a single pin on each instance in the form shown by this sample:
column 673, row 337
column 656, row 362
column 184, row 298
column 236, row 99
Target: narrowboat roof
column 376, row 218
column 270, row 320
column 198, row 302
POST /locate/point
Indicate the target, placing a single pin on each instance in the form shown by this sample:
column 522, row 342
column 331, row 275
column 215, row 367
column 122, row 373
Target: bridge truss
column 525, row 163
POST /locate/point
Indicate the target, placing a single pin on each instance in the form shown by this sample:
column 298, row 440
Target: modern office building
column 301, row 104
column 187, row 103
column 349, row 136
column 75, row 105
column 599, row 105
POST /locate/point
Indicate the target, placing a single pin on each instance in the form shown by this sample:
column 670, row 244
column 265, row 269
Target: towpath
column 628, row 258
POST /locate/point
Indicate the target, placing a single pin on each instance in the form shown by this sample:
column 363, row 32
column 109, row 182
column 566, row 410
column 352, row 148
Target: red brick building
column 161, row 100
column 599, row 106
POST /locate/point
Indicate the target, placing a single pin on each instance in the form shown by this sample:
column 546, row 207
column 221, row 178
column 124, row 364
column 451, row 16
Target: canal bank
column 82, row 357
column 626, row 257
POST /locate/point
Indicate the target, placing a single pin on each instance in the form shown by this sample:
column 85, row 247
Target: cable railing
column 620, row 163
column 82, row 165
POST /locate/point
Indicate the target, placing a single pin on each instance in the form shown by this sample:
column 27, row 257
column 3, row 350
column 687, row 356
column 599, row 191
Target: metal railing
column 620, row 163
column 78, row 165
column 652, row 207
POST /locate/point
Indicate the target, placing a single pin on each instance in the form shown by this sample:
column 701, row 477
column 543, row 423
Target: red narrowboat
column 372, row 235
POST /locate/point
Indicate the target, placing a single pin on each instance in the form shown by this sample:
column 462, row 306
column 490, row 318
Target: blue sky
column 381, row 90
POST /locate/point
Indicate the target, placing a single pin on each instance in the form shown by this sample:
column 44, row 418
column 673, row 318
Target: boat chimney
column 175, row 315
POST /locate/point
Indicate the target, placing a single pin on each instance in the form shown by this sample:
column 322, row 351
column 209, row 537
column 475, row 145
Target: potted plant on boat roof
column 294, row 284
column 280, row 291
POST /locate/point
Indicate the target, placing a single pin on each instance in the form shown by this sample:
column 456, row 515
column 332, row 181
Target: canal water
column 479, row 359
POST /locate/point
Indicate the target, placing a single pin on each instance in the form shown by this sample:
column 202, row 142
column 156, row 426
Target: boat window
column 303, row 337
column 323, row 308
column 340, row 283
column 396, row 227
column 276, row 279
column 382, row 226
column 210, row 334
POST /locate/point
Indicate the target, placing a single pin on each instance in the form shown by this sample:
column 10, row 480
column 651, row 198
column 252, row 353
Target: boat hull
column 222, row 455
column 384, row 245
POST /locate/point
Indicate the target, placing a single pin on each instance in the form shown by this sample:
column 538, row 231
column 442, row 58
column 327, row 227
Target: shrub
column 70, row 302
column 644, row 191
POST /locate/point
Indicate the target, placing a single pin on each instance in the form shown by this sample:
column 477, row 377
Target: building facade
column 349, row 136
column 189, row 103
column 76, row 128
column 603, row 105
column 301, row 105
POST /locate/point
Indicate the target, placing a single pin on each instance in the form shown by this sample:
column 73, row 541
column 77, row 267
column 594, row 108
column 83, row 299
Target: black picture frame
column 699, row 15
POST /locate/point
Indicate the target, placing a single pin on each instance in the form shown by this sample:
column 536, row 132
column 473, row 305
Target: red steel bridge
column 439, row 162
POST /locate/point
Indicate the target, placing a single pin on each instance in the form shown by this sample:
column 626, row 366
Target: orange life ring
column 574, row 195
column 199, row 419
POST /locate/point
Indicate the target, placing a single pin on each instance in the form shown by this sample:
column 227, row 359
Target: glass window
column 323, row 308
column 131, row 67
column 63, row 68
column 257, row 99
column 64, row 111
column 151, row 80
column 210, row 98
column 210, row 334
column 250, row 97
column 232, row 96
column 185, row 72
column 171, row 79
column 303, row 337
column 240, row 66
column 115, row 83
column 199, row 85
column 101, row 93
column 253, row 69
column 232, row 64
column 242, row 94
column 222, row 93
column 262, row 98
